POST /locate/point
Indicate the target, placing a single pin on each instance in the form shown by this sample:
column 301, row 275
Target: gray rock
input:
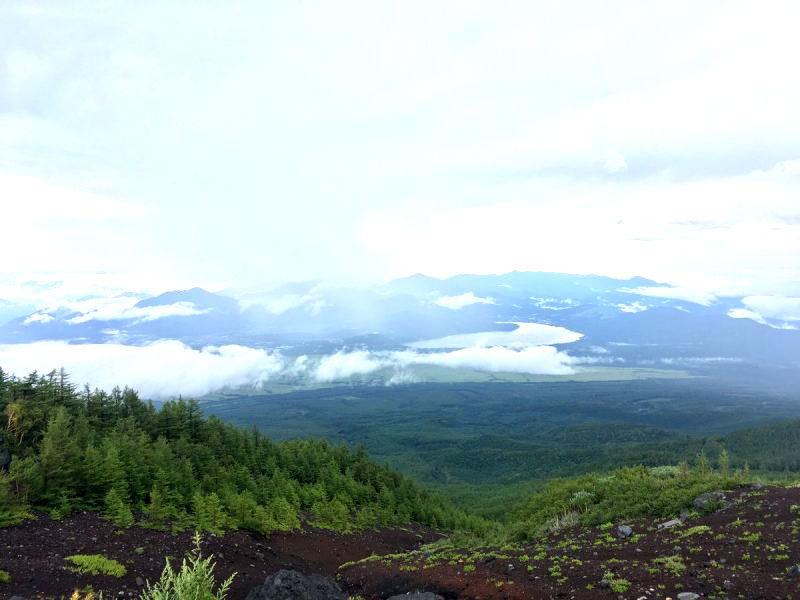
column 688, row 596
column 624, row 531
column 709, row 501
column 671, row 523
column 417, row 596
column 17, row 598
column 793, row 571
column 291, row 585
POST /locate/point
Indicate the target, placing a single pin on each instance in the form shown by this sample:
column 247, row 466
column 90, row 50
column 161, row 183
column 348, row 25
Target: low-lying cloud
column 533, row 360
column 162, row 369
column 695, row 296
column 459, row 302
column 139, row 314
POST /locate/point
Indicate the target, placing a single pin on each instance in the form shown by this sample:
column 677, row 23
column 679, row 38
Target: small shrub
column 195, row 580
column 469, row 568
column 5, row 577
column 695, row 531
column 96, row 564
column 673, row 564
column 618, row 585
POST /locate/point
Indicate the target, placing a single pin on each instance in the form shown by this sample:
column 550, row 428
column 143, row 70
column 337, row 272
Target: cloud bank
column 162, row 369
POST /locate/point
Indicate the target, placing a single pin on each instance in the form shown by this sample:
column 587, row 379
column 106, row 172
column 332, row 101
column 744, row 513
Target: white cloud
column 534, row 360
column 140, row 314
column 342, row 365
column 633, row 307
column 743, row 313
column 159, row 370
column 696, row 296
column 554, row 303
column 525, row 335
column 774, row 307
column 38, row 318
column 458, row 302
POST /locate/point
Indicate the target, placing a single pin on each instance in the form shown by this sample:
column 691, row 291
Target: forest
column 170, row 467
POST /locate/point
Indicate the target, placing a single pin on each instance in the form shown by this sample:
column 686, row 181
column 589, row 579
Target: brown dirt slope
column 746, row 550
column 33, row 554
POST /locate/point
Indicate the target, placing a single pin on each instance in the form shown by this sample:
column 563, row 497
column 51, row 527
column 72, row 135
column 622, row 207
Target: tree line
column 172, row 467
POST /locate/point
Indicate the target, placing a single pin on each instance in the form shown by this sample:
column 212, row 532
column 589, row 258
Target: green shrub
column 194, row 580
column 629, row 492
column 618, row 585
column 117, row 510
column 96, row 564
column 332, row 514
column 5, row 577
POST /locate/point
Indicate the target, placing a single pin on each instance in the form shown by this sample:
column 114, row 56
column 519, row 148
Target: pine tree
column 724, row 464
column 117, row 510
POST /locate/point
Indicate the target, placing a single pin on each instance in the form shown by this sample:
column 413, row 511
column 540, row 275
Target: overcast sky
column 244, row 143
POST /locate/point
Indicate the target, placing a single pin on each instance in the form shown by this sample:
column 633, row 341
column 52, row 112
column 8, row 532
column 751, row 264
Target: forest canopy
column 171, row 467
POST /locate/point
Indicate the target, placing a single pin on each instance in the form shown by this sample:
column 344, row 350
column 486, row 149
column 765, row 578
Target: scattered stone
column 291, row 585
column 793, row 571
column 17, row 598
column 688, row 596
column 671, row 523
column 624, row 531
column 757, row 485
column 727, row 584
column 709, row 501
column 417, row 596
column 140, row 582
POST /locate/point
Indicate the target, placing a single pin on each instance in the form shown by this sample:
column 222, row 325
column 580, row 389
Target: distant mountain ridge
column 636, row 320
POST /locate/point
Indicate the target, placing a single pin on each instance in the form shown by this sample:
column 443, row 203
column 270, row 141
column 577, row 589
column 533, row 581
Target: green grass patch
column 96, row 564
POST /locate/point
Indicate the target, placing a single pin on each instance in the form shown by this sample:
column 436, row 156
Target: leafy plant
column 194, row 580
column 5, row 577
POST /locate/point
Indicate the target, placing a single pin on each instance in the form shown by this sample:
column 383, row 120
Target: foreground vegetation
column 173, row 468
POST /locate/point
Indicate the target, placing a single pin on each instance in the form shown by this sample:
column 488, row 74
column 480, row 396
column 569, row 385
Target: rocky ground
column 34, row 552
column 748, row 549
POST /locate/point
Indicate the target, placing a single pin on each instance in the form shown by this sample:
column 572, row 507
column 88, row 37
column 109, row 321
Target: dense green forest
column 487, row 446
column 172, row 467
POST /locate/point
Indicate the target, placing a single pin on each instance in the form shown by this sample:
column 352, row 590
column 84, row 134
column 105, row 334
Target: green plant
column 673, row 564
column 698, row 529
column 5, row 577
column 618, row 585
column 96, row 564
column 194, row 580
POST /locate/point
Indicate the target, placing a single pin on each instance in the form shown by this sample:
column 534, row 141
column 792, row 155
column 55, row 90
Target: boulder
column 709, row 502
column 291, row 585
column 671, row 523
column 624, row 531
column 417, row 596
column 688, row 596
column 5, row 459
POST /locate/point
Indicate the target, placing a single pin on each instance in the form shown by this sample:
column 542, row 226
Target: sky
column 159, row 145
